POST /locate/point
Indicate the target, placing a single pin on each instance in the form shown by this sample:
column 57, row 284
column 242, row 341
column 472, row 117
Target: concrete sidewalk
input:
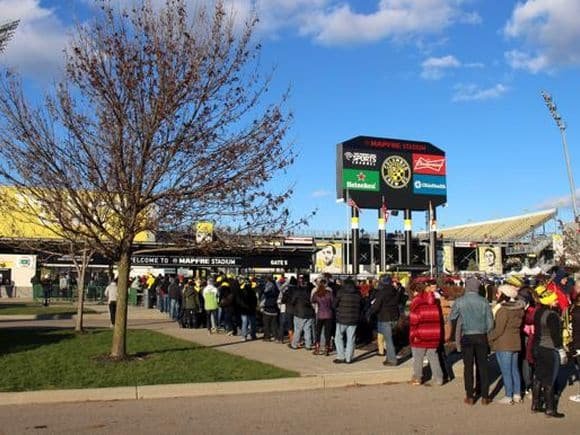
column 317, row 372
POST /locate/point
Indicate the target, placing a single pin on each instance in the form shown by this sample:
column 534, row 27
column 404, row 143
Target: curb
column 63, row 396
column 316, row 382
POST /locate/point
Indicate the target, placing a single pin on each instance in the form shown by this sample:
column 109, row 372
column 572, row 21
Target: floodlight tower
column 6, row 32
column 562, row 126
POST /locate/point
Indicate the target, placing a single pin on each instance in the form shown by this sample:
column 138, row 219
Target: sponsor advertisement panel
column 356, row 179
column 428, row 164
column 429, row 185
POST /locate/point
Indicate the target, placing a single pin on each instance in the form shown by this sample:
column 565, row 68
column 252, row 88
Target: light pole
column 562, row 126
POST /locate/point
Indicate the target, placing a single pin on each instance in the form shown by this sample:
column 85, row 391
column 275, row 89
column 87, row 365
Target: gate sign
column 405, row 174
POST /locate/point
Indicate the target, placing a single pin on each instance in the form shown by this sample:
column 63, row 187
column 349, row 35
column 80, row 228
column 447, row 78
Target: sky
column 465, row 75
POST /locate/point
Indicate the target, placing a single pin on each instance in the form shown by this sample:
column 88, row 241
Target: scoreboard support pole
column 382, row 242
column 433, row 241
column 408, row 235
column 354, row 226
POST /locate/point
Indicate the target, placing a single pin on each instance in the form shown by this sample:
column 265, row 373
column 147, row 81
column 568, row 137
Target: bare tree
column 6, row 32
column 570, row 253
column 162, row 120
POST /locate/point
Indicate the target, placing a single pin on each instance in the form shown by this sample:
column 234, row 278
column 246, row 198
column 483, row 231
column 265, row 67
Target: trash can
column 132, row 296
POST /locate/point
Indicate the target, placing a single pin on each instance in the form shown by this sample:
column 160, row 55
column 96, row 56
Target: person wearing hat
column 556, row 285
column 505, row 340
column 477, row 322
column 515, row 281
column 548, row 351
column 425, row 331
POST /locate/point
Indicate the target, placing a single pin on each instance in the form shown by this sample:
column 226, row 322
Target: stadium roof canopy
column 498, row 230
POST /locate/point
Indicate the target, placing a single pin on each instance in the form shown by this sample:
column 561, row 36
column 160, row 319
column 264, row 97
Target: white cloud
column 560, row 202
column 520, row 60
column 549, row 31
column 39, row 40
column 338, row 24
column 434, row 68
column 321, row 193
column 473, row 92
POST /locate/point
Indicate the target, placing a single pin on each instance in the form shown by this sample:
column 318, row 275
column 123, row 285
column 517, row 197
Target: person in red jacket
column 426, row 332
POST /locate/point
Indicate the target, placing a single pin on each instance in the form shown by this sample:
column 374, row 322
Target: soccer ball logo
column 396, row 172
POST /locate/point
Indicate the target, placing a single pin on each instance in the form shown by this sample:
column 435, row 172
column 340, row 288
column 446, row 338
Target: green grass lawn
column 38, row 309
column 42, row 359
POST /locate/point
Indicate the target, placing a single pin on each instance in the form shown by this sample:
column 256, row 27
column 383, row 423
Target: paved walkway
column 301, row 361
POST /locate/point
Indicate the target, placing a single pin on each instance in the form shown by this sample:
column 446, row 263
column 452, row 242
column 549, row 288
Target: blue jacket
column 475, row 314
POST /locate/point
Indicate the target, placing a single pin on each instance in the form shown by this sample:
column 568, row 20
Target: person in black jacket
column 269, row 306
column 348, row 309
column 227, row 304
column 386, row 308
column 303, row 316
column 248, row 302
column 548, row 352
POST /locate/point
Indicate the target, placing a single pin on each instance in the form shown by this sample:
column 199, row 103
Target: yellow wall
column 22, row 219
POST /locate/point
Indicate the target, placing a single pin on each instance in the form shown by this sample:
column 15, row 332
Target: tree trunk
column 81, row 271
column 119, row 348
column 80, row 298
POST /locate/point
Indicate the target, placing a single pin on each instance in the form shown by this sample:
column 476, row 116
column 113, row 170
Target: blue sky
column 465, row 75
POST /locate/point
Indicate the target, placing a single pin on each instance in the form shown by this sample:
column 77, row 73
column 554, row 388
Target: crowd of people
column 531, row 327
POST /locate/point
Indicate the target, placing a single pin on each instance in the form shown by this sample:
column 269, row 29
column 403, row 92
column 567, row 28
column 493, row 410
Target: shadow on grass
column 24, row 339
column 11, row 306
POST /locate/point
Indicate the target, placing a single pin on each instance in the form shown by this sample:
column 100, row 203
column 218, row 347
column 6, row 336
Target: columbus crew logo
column 396, row 172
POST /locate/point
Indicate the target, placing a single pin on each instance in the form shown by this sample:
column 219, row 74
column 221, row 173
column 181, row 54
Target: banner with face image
column 490, row 259
column 329, row 257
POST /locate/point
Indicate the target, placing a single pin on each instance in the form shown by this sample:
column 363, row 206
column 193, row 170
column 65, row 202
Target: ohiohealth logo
column 429, row 185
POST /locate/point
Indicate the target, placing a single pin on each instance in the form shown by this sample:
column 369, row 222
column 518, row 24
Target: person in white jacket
column 111, row 295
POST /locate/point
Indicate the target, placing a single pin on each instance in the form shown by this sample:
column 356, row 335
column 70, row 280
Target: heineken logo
column 357, row 179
